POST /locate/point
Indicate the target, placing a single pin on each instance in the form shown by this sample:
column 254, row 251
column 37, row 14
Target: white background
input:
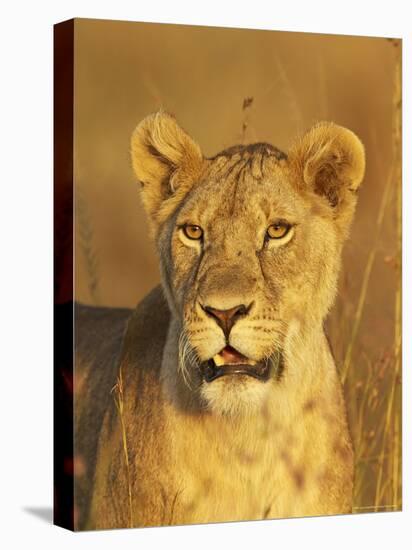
column 26, row 271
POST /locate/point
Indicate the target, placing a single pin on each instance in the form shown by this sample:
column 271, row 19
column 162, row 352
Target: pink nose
column 226, row 318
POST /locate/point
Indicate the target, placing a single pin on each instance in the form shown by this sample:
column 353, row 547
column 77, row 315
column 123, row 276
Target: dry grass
column 374, row 401
column 119, row 402
column 246, row 108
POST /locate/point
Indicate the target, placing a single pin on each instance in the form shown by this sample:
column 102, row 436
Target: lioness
column 218, row 399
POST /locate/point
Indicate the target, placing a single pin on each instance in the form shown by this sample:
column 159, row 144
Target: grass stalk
column 377, row 419
column 366, row 276
column 119, row 401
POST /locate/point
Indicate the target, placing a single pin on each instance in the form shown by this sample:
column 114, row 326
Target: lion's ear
column 330, row 160
column 165, row 160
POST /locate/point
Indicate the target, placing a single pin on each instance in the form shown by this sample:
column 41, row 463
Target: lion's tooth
column 218, row 359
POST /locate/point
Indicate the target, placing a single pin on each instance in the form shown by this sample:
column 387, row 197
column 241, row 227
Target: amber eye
column 278, row 230
column 194, row 232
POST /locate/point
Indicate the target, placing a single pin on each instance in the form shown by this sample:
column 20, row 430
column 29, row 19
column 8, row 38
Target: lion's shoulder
column 104, row 336
column 148, row 324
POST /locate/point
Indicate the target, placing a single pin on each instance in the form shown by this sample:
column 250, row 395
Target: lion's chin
column 235, row 394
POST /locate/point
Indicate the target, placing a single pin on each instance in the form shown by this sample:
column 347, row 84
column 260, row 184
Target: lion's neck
column 307, row 355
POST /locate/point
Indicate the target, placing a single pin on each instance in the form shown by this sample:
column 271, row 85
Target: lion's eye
column 278, row 230
column 194, row 232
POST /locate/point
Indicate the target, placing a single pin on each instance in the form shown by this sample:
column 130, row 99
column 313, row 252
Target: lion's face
column 249, row 242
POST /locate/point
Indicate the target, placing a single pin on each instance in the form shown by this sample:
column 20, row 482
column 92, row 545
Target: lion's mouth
column 230, row 362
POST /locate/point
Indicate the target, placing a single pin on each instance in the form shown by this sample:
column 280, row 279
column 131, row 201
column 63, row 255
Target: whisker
column 187, row 358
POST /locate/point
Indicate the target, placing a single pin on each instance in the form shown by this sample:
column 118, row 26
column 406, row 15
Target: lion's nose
column 226, row 318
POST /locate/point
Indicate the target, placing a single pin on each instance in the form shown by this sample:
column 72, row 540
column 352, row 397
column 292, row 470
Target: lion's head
column 249, row 242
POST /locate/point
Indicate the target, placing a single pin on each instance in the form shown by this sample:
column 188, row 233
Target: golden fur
column 175, row 449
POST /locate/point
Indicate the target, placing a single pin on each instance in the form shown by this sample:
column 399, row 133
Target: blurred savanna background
column 228, row 86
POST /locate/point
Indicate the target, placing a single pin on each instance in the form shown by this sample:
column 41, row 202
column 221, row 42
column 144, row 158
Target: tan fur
column 236, row 448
